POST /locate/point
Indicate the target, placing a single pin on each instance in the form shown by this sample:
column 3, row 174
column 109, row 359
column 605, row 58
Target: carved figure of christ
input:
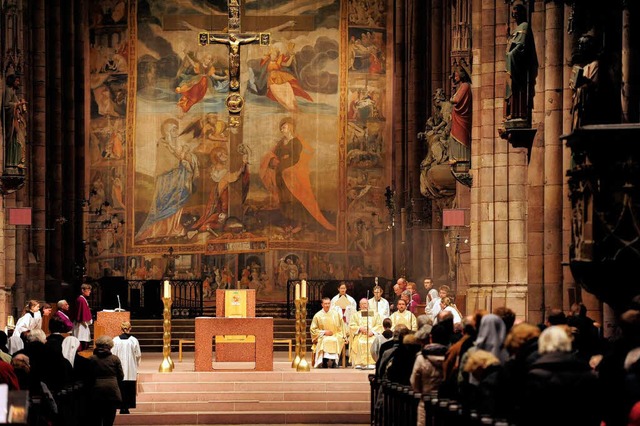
column 234, row 41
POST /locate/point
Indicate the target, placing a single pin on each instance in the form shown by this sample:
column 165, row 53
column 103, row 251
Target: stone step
column 268, row 392
column 343, row 418
column 241, row 404
column 282, row 396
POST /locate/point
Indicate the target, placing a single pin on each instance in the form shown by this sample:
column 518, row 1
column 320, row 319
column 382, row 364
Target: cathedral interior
column 488, row 145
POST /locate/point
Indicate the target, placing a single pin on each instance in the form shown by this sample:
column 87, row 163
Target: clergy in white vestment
column 433, row 299
column 446, row 305
column 344, row 304
column 364, row 326
column 127, row 348
column 31, row 319
column 378, row 303
column 433, row 307
column 327, row 335
column 403, row 316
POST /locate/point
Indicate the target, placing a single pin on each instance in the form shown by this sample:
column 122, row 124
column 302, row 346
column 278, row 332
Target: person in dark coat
column 401, row 364
column 105, row 372
column 522, row 345
column 486, row 369
column 612, row 373
column 560, row 388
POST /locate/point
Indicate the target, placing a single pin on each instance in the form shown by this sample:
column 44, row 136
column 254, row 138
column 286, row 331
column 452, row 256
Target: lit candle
column 303, row 293
column 166, row 291
column 10, row 321
column 297, row 291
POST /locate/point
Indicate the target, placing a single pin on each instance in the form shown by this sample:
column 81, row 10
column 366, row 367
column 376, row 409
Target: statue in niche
column 585, row 83
column 15, row 123
column 436, row 180
column 461, row 115
column 521, row 66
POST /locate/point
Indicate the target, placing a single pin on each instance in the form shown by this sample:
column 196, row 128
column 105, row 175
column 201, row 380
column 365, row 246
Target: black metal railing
column 393, row 404
column 143, row 298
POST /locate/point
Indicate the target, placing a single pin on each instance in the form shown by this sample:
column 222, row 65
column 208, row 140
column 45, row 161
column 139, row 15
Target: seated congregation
column 490, row 369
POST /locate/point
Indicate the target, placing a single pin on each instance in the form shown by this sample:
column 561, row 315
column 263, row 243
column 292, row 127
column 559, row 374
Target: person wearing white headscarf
column 70, row 346
column 491, row 335
column 490, row 338
column 433, row 299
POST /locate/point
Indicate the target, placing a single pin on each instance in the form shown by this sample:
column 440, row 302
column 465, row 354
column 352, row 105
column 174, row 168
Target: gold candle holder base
column 166, row 366
column 296, row 358
column 303, row 365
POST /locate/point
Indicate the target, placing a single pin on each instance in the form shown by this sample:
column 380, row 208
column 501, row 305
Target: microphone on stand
column 119, row 309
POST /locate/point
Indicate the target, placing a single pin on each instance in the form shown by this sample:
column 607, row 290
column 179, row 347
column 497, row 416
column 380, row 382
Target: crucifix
column 233, row 39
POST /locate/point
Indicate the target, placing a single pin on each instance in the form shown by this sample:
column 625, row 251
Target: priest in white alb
column 403, row 316
column 344, row 304
column 327, row 335
column 378, row 303
column 363, row 327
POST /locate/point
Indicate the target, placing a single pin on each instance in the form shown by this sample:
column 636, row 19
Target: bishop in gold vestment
column 364, row 326
column 327, row 334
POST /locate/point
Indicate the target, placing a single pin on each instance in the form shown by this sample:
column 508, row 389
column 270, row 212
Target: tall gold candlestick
column 167, row 363
column 296, row 359
column 303, row 365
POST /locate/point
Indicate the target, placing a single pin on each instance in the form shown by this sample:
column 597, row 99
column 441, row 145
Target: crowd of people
column 560, row 372
column 48, row 354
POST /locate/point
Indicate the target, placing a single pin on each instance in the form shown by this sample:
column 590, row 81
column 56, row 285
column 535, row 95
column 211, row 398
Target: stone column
column 34, row 286
column 437, row 63
column 487, row 179
column 568, row 285
column 553, row 153
column 535, row 304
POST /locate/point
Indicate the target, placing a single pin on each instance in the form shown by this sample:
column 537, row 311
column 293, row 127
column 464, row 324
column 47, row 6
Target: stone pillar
column 569, row 285
column 535, row 305
column 55, row 151
column 34, row 285
column 486, row 179
column 437, row 63
column 553, row 148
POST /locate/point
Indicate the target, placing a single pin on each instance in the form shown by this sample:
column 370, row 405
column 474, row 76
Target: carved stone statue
column 15, row 123
column 585, row 83
column 461, row 115
column 436, row 180
column 521, row 65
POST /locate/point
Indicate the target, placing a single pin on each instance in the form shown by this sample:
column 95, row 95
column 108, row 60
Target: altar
column 261, row 329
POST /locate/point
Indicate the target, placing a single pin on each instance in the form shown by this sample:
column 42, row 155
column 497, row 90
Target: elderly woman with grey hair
column 105, row 371
column 560, row 388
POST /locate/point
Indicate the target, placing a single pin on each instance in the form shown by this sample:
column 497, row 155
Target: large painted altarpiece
column 289, row 185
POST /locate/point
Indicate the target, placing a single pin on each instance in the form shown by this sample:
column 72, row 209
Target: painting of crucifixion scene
column 219, row 124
